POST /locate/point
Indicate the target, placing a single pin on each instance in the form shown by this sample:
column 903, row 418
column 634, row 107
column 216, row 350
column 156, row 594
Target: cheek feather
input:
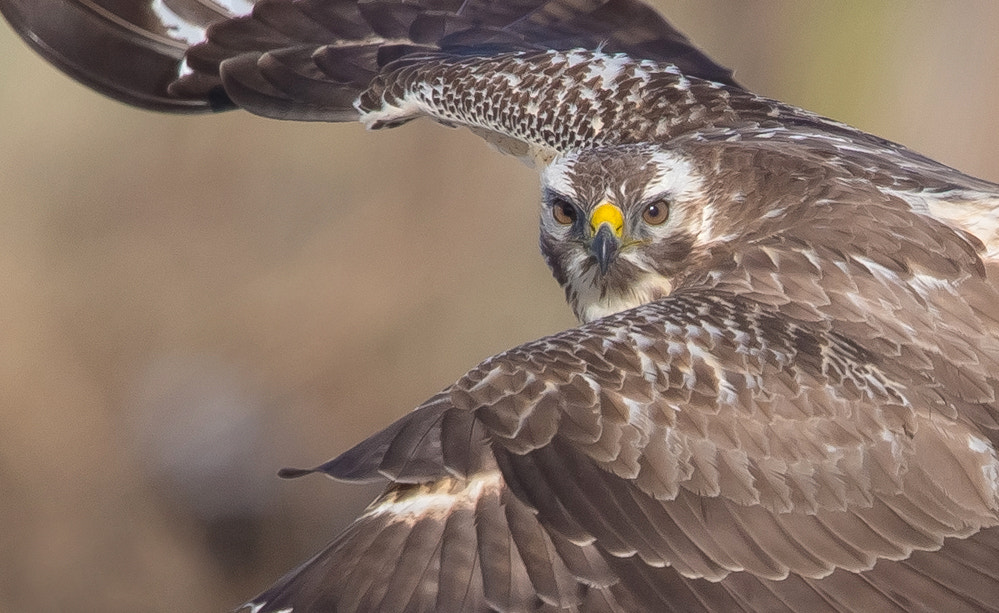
column 593, row 295
column 593, row 304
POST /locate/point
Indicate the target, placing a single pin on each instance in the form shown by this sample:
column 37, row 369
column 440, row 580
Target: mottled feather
column 783, row 394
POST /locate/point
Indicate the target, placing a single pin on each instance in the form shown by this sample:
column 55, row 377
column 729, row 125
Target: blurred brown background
column 188, row 304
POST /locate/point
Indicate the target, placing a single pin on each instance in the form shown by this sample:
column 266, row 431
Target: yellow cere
column 609, row 214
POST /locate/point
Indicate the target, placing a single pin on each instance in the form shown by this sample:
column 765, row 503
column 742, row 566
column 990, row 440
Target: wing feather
column 845, row 484
column 120, row 48
column 493, row 67
column 460, row 586
column 796, row 434
column 148, row 53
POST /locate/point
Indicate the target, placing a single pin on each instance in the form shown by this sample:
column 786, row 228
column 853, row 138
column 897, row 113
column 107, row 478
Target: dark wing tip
column 295, row 473
column 410, row 450
column 120, row 50
column 126, row 49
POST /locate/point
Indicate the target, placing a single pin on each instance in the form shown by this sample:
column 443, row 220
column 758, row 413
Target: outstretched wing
column 129, row 50
column 320, row 53
column 816, row 431
column 534, row 77
column 697, row 453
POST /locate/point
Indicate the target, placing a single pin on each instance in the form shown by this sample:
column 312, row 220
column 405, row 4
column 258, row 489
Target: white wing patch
column 257, row 607
column 194, row 33
column 990, row 464
column 437, row 499
column 975, row 212
column 237, row 8
column 190, row 33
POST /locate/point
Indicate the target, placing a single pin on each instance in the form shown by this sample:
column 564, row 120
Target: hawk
column 782, row 395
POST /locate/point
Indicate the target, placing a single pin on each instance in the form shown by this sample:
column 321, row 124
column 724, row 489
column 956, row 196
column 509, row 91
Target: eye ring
column 656, row 212
column 563, row 211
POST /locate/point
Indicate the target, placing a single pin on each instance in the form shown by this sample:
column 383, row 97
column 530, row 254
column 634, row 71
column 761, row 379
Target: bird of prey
column 782, row 395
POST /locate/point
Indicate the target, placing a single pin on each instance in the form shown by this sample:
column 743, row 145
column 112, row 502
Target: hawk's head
column 619, row 224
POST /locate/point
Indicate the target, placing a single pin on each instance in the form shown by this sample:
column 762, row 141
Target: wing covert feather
column 846, row 474
column 840, row 473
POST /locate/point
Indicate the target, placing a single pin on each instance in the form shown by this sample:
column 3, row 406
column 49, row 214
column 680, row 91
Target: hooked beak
column 607, row 226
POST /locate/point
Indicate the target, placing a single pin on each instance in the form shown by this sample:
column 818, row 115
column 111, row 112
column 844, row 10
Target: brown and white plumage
column 804, row 418
column 783, row 394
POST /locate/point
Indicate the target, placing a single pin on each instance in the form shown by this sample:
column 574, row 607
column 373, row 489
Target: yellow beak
column 610, row 214
column 607, row 227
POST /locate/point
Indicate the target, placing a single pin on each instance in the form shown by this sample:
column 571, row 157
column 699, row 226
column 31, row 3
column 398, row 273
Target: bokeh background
column 188, row 304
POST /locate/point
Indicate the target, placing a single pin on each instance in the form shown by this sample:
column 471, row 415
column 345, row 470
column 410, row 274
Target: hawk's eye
column 563, row 211
column 656, row 213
